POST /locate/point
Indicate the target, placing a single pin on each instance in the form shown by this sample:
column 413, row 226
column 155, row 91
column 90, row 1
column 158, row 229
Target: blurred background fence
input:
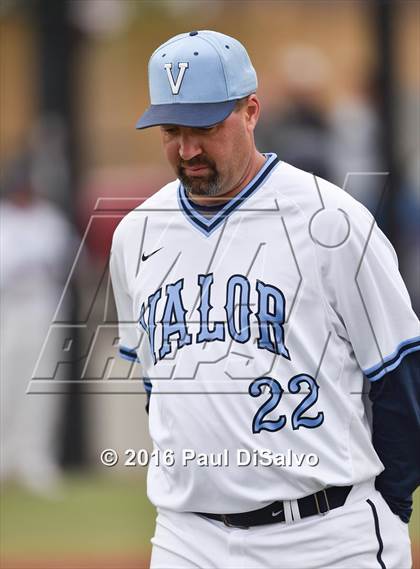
column 339, row 83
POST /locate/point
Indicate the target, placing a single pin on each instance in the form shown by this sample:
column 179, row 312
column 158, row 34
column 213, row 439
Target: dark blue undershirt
column 396, row 433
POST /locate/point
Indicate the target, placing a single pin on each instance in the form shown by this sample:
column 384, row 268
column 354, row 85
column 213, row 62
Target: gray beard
column 209, row 187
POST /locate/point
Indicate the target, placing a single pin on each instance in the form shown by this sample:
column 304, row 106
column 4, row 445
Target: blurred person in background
column 357, row 164
column 408, row 152
column 355, row 156
column 296, row 128
column 35, row 239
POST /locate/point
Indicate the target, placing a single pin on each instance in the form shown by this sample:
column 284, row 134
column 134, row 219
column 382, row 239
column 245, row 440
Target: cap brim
column 186, row 114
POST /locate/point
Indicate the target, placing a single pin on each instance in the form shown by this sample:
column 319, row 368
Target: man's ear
column 252, row 111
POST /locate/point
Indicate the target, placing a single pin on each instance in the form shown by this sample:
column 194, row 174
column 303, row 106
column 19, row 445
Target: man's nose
column 189, row 146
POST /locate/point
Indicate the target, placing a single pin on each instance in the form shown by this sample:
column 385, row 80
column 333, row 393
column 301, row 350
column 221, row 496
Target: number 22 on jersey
column 298, row 419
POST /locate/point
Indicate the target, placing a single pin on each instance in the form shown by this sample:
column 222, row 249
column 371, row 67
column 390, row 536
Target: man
column 260, row 297
column 32, row 271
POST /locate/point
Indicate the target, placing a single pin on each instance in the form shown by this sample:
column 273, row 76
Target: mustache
column 197, row 161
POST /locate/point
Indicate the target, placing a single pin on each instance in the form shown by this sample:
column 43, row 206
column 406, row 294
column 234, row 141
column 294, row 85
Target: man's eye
column 170, row 130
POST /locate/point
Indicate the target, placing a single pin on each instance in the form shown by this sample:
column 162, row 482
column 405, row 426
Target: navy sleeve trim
column 147, row 385
column 128, row 354
column 393, row 360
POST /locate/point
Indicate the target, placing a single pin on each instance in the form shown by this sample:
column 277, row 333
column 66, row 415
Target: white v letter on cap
column 175, row 87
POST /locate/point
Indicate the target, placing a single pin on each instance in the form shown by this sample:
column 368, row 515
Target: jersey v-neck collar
column 208, row 224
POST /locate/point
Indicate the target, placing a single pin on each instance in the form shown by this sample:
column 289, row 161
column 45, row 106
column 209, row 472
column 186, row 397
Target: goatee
column 200, row 185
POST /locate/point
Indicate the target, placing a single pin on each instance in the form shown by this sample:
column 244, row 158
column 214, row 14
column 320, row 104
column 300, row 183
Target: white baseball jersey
column 254, row 323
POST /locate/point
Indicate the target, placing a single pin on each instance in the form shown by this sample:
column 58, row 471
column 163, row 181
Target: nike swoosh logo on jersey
column 275, row 514
column 144, row 257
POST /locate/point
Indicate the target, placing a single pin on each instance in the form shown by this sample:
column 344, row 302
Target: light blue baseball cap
column 195, row 79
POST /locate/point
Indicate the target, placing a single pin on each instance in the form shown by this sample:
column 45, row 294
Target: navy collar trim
column 208, row 225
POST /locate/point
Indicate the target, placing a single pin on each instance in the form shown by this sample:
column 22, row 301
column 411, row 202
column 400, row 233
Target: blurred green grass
column 92, row 514
column 415, row 519
column 104, row 514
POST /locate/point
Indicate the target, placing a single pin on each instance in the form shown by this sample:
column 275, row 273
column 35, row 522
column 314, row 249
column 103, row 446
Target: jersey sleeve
column 371, row 309
column 127, row 324
column 396, row 433
column 364, row 289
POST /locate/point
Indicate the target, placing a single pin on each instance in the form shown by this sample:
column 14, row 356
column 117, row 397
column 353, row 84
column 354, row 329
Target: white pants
column 28, row 423
column 363, row 533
